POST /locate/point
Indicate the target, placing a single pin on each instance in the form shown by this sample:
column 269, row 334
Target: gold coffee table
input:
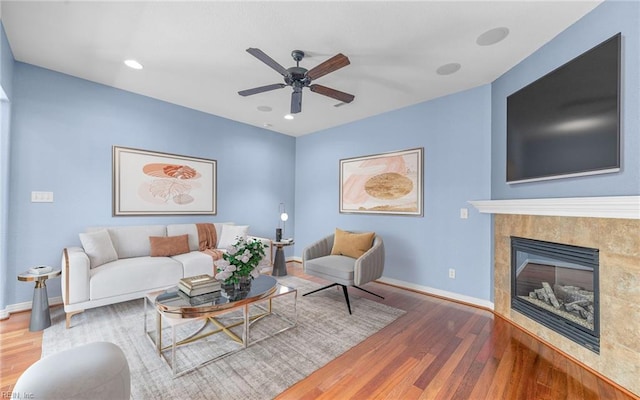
column 174, row 308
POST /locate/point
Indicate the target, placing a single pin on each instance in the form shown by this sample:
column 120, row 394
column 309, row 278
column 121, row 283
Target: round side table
column 40, row 317
column 279, row 265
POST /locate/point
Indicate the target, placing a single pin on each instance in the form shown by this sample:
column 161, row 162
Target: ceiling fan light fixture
column 492, row 36
column 133, row 64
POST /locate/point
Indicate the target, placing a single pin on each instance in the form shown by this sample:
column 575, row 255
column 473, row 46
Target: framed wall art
column 153, row 183
column 389, row 183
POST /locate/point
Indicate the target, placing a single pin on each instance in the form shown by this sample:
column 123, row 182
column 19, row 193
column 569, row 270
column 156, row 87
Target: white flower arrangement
column 244, row 258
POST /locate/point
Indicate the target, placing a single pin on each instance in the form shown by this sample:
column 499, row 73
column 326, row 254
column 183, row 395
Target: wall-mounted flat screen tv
column 567, row 123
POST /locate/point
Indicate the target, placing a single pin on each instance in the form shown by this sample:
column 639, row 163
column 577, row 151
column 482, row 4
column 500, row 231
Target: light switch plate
column 42, row 197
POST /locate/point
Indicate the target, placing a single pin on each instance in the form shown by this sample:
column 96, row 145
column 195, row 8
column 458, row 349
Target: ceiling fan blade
column 334, row 94
column 334, row 63
column 261, row 89
column 296, row 101
column 260, row 55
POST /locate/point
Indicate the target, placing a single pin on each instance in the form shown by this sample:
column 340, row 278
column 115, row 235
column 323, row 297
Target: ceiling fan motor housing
column 296, row 74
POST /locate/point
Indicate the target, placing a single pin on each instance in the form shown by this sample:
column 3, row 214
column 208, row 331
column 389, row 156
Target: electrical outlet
column 452, row 273
column 464, row 213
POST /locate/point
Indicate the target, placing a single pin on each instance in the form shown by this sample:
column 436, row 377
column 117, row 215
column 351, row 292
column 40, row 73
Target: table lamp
column 283, row 218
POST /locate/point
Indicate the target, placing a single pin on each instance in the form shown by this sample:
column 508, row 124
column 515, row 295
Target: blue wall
column 455, row 134
column 6, row 84
column 63, row 130
column 603, row 22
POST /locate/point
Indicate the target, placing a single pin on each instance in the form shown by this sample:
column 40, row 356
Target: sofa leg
column 71, row 314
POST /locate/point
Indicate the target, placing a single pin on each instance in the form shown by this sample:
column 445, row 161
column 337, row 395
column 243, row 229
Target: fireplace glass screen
column 557, row 285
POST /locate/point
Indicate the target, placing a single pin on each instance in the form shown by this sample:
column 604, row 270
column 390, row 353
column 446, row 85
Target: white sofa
column 115, row 263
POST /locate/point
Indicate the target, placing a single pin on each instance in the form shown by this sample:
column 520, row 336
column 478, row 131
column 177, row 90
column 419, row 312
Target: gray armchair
column 342, row 270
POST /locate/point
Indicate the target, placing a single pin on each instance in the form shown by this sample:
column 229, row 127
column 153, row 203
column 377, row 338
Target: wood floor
column 437, row 350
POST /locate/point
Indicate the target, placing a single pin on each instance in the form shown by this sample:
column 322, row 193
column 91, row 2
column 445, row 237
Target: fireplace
column 556, row 285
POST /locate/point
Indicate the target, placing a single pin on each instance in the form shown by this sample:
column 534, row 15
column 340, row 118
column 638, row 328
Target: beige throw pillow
column 99, row 248
column 350, row 244
column 166, row 246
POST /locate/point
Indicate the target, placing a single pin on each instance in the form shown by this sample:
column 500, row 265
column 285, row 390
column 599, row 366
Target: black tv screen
column 567, row 122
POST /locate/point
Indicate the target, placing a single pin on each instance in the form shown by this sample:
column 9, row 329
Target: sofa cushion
column 185, row 229
column 166, row 246
column 230, row 233
column 133, row 241
column 195, row 263
column 98, row 247
column 132, row 275
column 352, row 244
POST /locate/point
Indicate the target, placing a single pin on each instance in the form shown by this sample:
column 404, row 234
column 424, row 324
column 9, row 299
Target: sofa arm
column 268, row 250
column 370, row 265
column 75, row 275
column 317, row 249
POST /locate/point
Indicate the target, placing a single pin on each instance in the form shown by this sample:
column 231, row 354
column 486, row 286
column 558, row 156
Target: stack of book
column 198, row 285
column 207, row 298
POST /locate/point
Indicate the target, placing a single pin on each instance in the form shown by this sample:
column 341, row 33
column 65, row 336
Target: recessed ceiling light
column 288, row 116
column 264, row 108
column 448, row 69
column 133, row 64
column 492, row 36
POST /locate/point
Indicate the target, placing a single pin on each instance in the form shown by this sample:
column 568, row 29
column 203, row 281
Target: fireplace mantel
column 627, row 207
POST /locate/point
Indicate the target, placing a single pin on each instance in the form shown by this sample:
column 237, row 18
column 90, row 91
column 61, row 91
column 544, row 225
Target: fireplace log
column 570, row 294
column 550, row 295
column 542, row 295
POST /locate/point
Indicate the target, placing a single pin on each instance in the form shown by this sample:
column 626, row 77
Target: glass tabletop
column 175, row 303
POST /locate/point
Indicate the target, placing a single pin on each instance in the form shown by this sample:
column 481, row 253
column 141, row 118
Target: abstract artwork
column 389, row 183
column 152, row 183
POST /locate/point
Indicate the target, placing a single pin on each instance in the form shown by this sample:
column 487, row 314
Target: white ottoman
column 96, row 370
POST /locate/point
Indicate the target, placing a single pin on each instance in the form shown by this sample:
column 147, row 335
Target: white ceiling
column 194, row 52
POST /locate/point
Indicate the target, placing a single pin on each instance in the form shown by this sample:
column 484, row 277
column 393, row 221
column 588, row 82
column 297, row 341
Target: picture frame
column 154, row 183
column 387, row 183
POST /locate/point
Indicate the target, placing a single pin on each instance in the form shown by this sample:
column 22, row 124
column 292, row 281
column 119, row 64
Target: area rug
column 324, row 331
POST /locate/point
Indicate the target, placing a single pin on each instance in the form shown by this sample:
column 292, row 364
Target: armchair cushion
column 332, row 268
column 350, row 244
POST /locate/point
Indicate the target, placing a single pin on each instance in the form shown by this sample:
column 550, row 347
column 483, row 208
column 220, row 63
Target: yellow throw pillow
column 350, row 244
column 166, row 246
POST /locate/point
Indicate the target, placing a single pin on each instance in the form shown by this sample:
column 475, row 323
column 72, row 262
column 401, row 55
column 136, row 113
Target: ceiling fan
column 298, row 77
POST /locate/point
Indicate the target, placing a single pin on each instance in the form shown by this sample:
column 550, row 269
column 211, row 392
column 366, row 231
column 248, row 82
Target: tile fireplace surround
column 611, row 224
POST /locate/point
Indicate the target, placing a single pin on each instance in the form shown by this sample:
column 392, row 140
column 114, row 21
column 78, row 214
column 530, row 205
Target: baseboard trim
column 451, row 296
column 459, row 298
column 26, row 306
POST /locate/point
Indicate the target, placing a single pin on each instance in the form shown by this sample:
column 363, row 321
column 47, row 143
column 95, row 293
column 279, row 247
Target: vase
column 244, row 284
